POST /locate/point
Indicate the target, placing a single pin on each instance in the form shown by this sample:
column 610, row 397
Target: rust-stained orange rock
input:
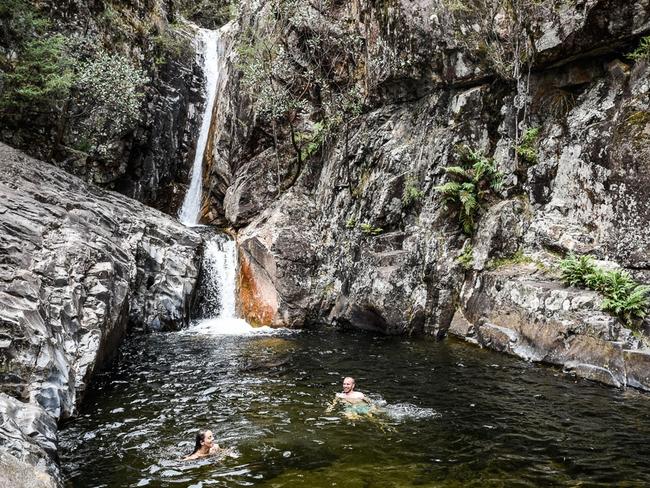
column 258, row 300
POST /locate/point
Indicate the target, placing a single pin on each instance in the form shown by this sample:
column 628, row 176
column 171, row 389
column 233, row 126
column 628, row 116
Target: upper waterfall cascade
column 212, row 54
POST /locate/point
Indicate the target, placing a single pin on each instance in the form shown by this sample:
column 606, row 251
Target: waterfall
column 217, row 289
column 216, row 309
column 212, row 55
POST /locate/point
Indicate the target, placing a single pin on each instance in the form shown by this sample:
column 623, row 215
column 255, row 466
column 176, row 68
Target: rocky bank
column 78, row 267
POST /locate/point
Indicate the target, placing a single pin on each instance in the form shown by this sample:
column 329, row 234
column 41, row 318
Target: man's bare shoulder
column 352, row 396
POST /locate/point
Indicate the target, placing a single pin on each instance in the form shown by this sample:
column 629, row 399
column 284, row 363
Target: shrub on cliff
column 110, row 91
column 40, row 79
column 208, row 13
column 642, row 52
column 527, row 148
column 474, row 180
column 63, row 86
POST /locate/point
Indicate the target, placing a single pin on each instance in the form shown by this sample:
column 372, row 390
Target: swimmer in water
column 355, row 402
column 348, row 394
column 358, row 406
column 204, row 446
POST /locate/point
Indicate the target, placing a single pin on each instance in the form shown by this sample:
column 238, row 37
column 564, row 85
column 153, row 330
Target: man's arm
column 333, row 403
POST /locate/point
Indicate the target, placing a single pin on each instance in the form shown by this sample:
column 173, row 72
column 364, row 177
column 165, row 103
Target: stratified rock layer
column 77, row 265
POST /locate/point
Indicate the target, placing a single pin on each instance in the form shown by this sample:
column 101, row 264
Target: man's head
column 348, row 385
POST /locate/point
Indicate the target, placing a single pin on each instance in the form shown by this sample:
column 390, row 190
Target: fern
column 474, row 180
column 457, row 171
column 411, row 194
column 631, row 306
column 466, row 258
column 624, row 297
column 370, row 230
column 526, row 150
column 576, row 269
column 642, row 52
column 617, row 284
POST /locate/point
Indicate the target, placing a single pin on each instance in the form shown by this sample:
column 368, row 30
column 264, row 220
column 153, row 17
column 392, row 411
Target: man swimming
column 355, row 403
column 357, row 406
column 348, row 394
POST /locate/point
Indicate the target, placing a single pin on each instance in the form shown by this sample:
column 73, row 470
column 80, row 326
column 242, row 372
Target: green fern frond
column 449, row 188
column 457, row 171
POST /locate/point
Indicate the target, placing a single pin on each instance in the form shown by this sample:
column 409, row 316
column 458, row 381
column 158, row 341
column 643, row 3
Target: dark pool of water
column 453, row 415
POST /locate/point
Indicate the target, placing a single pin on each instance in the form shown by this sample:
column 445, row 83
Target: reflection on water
column 448, row 415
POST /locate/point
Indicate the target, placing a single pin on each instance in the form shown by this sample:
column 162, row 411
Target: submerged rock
column 79, row 265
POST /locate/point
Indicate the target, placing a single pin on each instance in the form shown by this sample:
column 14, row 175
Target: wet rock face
column 78, row 266
column 277, row 264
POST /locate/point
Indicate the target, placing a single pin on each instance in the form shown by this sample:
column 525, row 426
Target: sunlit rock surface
column 79, row 265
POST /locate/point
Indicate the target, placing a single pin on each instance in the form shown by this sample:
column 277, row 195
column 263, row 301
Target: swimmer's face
column 348, row 385
column 208, row 439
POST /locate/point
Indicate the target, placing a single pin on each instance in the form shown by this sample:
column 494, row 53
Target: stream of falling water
column 212, row 54
column 217, row 308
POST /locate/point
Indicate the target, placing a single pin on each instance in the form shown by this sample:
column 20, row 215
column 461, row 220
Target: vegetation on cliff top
column 78, row 90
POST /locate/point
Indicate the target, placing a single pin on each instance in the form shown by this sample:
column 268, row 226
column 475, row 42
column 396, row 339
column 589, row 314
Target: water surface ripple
column 450, row 415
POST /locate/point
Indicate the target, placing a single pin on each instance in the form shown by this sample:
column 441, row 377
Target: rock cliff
column 79, row 266
column 338, row 214
column 109, row 91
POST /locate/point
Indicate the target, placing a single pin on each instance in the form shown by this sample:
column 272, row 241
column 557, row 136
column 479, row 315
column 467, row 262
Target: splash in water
column 400, row 412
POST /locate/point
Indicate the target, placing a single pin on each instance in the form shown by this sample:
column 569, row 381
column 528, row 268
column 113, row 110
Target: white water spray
column 219, row 278
column 212, row 55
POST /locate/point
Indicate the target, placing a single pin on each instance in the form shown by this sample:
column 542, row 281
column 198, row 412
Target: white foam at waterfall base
column 220, row 283
column 231, row 326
